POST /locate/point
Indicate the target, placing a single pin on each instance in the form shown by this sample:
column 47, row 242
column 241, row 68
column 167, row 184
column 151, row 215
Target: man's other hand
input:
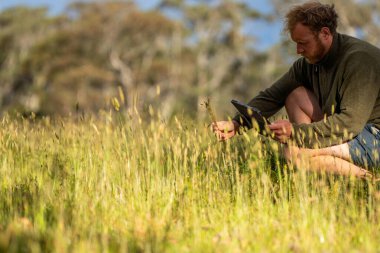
column 282, row 130
column 225, row 130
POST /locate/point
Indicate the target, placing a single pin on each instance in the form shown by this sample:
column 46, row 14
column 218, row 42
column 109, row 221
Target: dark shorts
column 365, row 148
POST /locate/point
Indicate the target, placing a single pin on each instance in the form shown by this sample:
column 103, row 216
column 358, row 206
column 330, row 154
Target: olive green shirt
column 346, row 83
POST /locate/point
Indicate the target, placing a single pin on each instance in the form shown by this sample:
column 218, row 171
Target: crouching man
column 331, row 95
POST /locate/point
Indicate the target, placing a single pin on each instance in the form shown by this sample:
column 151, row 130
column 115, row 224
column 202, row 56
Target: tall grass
column 113, row 184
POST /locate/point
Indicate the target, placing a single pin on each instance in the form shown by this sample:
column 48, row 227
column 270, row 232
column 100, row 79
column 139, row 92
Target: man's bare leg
column 337, row 165
column 335, row 159
column 302, row 107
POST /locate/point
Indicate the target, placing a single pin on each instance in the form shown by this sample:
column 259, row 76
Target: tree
column 20, row 30
column 216, row 38
column 81, row 59
column 103, row 46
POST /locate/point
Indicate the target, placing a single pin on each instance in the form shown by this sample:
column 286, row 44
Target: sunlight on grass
column 119, row 183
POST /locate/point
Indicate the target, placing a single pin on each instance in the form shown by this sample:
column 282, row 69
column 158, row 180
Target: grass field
column 109, row 184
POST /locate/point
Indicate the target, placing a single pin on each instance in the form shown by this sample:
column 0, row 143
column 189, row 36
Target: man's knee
column 302, row 106
column 295, row 96
column 290, row 153
column 301, row 97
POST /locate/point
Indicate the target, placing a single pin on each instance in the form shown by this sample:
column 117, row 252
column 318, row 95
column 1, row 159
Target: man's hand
column 225, row 130
column 282, row 130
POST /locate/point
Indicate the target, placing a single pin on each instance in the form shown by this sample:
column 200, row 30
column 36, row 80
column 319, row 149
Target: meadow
column 124, row 184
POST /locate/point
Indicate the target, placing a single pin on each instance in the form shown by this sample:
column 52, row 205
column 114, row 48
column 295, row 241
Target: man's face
column 309, row 44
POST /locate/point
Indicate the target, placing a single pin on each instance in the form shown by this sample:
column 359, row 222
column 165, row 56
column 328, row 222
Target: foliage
column 112, row 184
column 78, row 61
column 118, row 181
column 20, row 30
column 185, row 51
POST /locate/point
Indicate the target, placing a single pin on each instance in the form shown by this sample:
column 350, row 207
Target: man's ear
column 325, row 32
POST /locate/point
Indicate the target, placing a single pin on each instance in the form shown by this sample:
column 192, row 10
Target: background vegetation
column 78, row 60
column 104, row 144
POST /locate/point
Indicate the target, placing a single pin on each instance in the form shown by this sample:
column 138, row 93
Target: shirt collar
column 331, row 55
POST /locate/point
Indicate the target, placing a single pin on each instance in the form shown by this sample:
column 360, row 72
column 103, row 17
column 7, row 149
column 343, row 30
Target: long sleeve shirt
column 346, row 83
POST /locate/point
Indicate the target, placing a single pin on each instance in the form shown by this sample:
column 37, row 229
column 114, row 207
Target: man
column 331, row 96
